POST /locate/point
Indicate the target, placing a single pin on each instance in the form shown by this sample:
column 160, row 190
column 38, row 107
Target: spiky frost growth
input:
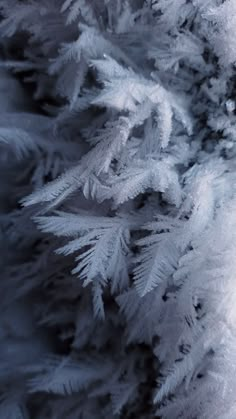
column 118, row 226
